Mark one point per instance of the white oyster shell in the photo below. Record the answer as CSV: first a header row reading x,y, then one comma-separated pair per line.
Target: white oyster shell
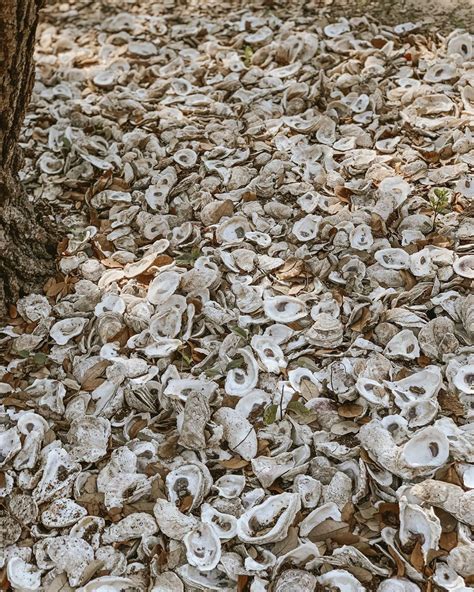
x,y
415,521
398,585
239,382
447,496
284,309
295,579
238,432
109,584
342,580
225,525
61,513
269,353
171,521
162,287
22,575
403,345
230,486
464,379
134,526
427,448
269,521
71,555
326,331
63,331
189,479
203,547
464,266
393,258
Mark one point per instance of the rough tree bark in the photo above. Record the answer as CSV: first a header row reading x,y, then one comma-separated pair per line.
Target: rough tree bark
x,y
27,239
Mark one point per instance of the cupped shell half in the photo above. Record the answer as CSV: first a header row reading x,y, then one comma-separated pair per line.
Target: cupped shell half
x,y
269,521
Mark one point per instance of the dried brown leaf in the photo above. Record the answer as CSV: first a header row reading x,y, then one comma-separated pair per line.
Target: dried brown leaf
x,y
416,558
350,410
363,319
450,403
448,540
399,563
91,376
292,268
234,463
242,580
185,503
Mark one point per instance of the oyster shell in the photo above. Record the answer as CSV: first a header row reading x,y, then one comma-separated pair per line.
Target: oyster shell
x,y
428,447
192,480
22,575
261,331
326,331
295,579
238,432
239,382
447,496
203,547
284,309
269,521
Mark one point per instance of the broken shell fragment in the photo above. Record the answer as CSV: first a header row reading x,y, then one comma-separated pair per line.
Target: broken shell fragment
x,y
61,513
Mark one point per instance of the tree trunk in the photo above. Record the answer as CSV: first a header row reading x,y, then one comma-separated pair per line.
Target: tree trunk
x,y
26,240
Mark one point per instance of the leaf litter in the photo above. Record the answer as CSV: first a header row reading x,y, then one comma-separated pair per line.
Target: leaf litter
x,y
254,369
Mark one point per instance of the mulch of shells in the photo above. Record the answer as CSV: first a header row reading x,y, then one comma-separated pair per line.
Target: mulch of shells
x,y
255,369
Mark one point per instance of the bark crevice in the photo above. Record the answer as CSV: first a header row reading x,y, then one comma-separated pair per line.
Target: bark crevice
x,y
27,237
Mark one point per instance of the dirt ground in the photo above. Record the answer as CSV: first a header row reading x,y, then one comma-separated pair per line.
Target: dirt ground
x,y
439,14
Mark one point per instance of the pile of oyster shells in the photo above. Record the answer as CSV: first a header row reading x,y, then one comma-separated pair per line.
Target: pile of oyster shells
x,y
255,368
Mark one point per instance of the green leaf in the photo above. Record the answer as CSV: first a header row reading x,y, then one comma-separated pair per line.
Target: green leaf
x,y
211,372
305,362
439,198
248,55
240,332
23,353
237,363
40,359
186,358
188,258
298,408
270,414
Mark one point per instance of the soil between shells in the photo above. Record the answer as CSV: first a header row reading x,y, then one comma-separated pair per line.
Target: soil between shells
x,y
254,370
